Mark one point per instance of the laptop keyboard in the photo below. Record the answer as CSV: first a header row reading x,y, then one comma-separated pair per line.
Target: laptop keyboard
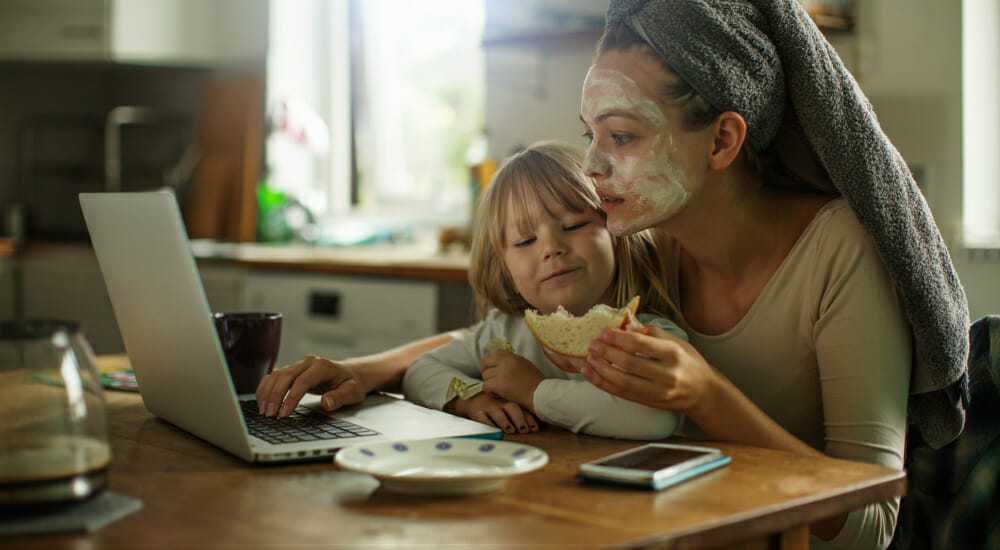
x,y
303,424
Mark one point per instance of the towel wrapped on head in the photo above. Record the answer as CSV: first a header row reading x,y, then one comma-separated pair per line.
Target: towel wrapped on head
x,y
766,60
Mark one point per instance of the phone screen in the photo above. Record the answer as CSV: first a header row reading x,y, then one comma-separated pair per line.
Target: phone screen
x,y
652,458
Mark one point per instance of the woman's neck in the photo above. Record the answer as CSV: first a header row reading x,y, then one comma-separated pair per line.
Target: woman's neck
x,y
733,238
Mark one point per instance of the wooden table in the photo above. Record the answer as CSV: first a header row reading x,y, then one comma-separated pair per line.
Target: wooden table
x,y
196,496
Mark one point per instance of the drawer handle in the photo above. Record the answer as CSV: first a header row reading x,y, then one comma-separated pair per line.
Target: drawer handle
x,y
325,304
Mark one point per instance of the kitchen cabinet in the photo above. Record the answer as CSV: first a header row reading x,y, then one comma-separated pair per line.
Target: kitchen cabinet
x,y
65,283
330,315
341,316
145,32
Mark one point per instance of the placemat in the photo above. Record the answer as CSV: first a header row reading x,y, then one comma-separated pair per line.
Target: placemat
x,y
89,515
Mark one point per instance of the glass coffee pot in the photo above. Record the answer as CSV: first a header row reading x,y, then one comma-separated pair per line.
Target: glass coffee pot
x,y
53,422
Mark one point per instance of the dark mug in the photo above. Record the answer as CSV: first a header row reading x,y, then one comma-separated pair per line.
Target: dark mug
x,y
250,343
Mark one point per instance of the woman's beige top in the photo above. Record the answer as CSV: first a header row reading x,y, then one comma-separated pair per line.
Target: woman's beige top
x,y
826,351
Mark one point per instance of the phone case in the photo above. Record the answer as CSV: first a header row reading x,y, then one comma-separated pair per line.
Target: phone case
x,y
663,483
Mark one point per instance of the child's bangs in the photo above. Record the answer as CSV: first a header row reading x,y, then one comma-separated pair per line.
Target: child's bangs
x,y
534,194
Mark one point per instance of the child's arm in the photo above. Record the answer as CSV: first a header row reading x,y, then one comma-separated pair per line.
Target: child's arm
x,y
572,402
580,406
427,381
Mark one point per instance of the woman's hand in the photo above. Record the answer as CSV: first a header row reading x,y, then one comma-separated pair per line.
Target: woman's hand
x,y
569,364
279,392
494,411
656,369
576,365
511,377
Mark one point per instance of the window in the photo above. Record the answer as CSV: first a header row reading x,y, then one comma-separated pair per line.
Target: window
x,y
395,87
980,123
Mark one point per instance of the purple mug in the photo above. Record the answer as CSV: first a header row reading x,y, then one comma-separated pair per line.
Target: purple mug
x,y
250,342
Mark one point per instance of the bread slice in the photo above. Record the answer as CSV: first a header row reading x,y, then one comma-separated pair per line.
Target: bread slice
x,y
566,334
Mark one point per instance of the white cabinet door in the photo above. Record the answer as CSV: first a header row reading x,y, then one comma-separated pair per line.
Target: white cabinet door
x,y
338,316
148,32
188,32
67,285
224,285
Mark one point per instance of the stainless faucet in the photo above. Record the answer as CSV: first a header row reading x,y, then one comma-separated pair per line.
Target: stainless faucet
x,y
173,177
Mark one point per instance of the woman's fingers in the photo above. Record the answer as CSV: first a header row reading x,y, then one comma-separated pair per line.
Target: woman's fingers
x,y
659,370
654,343
273,387
568,364
280,392
615,381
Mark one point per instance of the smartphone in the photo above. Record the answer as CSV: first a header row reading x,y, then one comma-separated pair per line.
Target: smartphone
x,y
654,465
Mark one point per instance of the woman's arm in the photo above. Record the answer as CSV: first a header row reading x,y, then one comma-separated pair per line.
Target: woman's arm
x,y
672,375
341,382
663,371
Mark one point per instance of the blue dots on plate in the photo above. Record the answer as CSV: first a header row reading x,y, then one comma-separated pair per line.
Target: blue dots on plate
x,y
519,452
366,452
486,447
400,447
443,446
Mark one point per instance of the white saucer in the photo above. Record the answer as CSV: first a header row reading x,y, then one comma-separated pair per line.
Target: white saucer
x,y
447,466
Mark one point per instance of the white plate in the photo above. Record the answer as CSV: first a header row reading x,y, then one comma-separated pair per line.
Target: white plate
x,y
445,466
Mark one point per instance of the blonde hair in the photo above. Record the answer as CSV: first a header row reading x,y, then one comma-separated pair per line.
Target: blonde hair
x,y
548,173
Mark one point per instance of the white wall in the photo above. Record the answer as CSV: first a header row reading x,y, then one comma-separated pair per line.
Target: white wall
x,y
908,59
906,54
533,86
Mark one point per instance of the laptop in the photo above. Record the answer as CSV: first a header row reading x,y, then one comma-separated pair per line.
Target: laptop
x,y
166,324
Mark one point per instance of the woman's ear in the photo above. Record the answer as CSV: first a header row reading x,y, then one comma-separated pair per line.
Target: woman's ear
x,y
729,132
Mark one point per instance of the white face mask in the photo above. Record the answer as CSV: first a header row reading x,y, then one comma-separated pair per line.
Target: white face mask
x,y
650,185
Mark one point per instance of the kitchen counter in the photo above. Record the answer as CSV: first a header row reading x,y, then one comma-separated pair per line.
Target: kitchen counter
x,y
403,260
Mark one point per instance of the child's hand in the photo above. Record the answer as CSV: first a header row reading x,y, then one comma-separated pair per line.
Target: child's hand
x,y
495,411
511,377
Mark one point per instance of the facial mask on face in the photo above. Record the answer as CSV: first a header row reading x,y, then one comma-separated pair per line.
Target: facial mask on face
x,y
653,188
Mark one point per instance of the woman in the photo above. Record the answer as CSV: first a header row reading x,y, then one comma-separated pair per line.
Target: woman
x,y
799,338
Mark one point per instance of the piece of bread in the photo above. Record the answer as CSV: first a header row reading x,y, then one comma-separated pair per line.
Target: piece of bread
x,y
566,334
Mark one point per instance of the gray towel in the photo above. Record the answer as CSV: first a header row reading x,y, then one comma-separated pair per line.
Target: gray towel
x,y
767,60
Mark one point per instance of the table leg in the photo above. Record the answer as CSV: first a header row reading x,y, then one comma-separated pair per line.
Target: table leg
x,y
796,538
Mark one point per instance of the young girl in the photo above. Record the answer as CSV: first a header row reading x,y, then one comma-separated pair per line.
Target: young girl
x,y
540,241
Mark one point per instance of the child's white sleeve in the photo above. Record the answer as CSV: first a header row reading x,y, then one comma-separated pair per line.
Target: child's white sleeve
x,y
427,379
580,406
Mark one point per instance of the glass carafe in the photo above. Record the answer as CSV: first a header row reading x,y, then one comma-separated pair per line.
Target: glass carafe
x,y
53,422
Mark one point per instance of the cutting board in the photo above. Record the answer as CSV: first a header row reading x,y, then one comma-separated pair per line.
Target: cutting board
x,y
222,201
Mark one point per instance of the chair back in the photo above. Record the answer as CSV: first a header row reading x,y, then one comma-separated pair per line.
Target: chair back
x,y
953,499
